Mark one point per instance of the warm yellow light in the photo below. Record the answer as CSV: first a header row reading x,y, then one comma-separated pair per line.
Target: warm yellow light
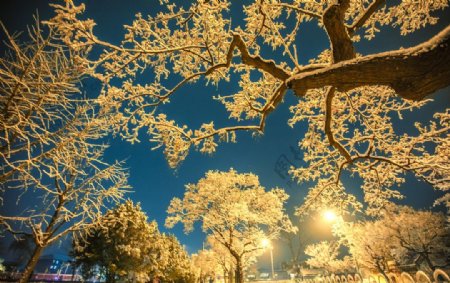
x,y
265,243
329,216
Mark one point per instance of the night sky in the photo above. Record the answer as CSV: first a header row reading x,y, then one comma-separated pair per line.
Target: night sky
x,y
155,184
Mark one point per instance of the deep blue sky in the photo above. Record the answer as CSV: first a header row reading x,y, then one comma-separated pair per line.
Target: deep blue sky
x,y
154,183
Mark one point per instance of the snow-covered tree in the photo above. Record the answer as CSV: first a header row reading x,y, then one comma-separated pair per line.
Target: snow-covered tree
x,y
401,234
49,143
370,243
122,245
174,263
418,233
205,265
348,100
325,255
235,210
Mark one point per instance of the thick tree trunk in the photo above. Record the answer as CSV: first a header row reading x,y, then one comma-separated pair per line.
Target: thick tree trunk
x,y
414,73
239,271
28,272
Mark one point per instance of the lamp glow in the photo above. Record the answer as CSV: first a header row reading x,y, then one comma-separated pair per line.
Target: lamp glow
x,y
329,216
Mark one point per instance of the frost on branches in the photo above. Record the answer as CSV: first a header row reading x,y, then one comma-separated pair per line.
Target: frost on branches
x,y
235,210
325,255
348,101
419,233
174,263
205,265
400,235
49,143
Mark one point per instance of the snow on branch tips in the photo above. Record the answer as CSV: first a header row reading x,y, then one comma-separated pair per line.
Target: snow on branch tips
x,y
346,100
50,146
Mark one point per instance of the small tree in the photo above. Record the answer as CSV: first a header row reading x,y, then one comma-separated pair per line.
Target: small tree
x,y
370,244
325,255
49,148
235,210
122,245
174,263
400,234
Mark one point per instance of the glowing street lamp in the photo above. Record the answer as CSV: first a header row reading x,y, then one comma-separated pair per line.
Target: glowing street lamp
x,y
266,244
330,216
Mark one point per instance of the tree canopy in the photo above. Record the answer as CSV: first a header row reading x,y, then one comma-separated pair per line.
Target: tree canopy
x,y
401,234
121,245
325,255
347,100
124,245
235,210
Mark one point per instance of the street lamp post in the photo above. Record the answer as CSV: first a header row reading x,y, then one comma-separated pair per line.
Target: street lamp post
x,y
266,243
271,261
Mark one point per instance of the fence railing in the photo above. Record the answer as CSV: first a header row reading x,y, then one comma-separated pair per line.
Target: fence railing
x,y
438,275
